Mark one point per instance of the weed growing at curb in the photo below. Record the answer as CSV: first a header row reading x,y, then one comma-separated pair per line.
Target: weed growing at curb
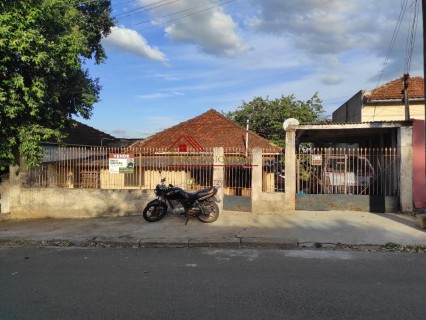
x,y
390,247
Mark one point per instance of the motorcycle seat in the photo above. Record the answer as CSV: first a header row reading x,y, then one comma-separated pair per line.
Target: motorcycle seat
x,y
201,194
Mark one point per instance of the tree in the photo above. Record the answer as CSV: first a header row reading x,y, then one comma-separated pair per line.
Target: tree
x,y
267,116
44,45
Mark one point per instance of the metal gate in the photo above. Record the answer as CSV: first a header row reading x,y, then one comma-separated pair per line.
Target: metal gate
x,y
237,180
347,174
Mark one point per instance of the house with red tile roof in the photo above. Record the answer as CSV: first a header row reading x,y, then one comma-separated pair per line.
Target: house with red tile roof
x,y
208,130
384,103
200,135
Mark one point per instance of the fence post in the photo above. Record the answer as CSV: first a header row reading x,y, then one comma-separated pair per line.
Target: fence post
x,y
218,173
4,195
256,181
290,167
12,190
406,168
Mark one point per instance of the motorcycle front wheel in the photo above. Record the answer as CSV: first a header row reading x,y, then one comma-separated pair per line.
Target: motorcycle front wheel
x,y
211,213
154,212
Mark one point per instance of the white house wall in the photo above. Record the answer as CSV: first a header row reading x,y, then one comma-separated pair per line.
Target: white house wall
x,y
391,112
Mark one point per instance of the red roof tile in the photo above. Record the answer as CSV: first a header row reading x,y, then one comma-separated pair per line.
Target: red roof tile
x,y
208,130
393,90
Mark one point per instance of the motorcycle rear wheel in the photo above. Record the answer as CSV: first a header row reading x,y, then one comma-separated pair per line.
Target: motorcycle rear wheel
x,y
154,212
212,213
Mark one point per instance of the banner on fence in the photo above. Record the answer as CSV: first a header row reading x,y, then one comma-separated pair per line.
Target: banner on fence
x,y
316,159
121,163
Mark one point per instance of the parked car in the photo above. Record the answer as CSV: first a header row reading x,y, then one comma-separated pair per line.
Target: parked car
x,y
348,174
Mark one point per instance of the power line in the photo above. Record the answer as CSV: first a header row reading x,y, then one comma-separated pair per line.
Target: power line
x,y
144,8
182,17
113,5
411,37
169,15
392,43
91,1
123,3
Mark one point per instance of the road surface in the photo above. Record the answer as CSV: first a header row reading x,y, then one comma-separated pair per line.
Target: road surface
x,y
210,283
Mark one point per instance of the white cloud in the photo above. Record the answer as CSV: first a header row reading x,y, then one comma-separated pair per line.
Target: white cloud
x,y
160,95
333,47
168,77
339,28
127,40
318,26
203,24
331,79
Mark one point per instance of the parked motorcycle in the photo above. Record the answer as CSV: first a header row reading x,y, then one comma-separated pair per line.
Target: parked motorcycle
x,y
200,204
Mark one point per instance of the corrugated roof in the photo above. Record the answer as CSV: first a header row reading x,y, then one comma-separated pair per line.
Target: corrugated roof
x,y
393,90
210,129
354,125
408,122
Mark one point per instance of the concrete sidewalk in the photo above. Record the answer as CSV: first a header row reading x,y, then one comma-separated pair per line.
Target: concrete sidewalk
x,y
290,230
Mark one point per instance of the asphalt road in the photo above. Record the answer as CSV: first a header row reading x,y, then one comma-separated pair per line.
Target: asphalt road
x,y
184,283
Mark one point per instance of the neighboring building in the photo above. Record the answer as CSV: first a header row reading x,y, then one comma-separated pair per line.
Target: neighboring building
x,y
83,135
208,130
384,103
83,144
79,134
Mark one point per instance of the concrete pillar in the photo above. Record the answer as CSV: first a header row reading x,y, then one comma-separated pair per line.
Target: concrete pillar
x,y
219,173
405,148
256,181
4,196
13,190
290,167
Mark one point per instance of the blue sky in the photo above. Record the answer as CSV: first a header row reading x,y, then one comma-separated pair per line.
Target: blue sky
x,y
171,60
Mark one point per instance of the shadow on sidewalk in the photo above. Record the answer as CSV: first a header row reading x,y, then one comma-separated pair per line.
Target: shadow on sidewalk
x,y
405,219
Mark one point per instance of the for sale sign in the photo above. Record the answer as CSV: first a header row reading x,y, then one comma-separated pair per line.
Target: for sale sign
x,y
316,159
121,163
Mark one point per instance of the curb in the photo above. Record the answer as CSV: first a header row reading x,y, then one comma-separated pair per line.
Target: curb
x,y
230,243
252,242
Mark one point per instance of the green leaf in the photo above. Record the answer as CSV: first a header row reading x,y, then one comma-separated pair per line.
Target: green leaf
x,y
43,45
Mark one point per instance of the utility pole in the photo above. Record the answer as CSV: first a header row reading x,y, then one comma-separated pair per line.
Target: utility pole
x,y
405,93
247,137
